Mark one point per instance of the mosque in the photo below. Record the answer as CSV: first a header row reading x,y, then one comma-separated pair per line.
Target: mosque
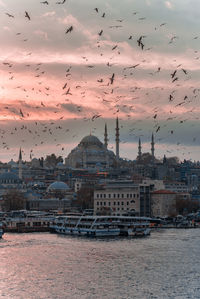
x,y
92,153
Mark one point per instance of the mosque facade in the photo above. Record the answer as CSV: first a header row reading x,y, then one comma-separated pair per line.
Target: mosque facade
x,y
92,153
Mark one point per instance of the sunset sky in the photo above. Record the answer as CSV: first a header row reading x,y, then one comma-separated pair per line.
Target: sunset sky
x,y
56,71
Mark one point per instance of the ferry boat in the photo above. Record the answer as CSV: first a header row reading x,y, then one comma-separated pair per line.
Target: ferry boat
x,y
101,226
1,229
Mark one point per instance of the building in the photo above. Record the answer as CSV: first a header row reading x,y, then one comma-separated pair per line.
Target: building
x,y
117,198
163,203
92,153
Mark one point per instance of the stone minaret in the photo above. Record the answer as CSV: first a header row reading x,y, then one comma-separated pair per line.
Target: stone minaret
x,y
106,137
117,139
152,148
20,163
139,150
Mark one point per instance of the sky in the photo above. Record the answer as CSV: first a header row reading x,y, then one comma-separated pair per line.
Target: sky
x,y
69,67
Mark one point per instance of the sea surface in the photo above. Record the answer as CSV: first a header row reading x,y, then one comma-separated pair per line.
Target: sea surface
x,y
43,265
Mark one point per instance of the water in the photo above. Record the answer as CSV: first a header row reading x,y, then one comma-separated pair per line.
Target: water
x,y
42,265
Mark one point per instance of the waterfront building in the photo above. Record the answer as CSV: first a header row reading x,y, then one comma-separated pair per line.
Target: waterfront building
x,y
117,198
163,203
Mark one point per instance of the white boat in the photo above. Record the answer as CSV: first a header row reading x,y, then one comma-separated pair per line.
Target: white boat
x,y
1,229
97,226
100,226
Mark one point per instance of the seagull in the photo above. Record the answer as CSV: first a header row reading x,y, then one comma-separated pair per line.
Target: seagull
x,y
96,9
27,15
61,2
112,78
69,29
45,2
100,33
9,15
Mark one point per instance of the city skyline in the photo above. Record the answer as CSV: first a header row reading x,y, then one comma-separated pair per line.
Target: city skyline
x,y
67,69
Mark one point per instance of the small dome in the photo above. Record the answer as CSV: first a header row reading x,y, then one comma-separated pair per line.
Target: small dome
x,y
90,140
12,163
58,186
9,176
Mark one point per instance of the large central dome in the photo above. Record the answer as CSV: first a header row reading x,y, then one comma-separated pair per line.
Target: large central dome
x,y
90,153
91,140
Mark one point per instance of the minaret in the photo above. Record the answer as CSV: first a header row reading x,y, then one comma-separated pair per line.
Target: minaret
x,y
20,163
106,137
117,139
152,148
139,150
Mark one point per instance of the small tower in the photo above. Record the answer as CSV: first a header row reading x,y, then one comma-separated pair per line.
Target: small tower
x,y
152,148
117,139
139,150
106,137
20,163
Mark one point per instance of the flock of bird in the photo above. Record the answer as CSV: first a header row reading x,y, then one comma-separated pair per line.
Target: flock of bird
x,y
114,92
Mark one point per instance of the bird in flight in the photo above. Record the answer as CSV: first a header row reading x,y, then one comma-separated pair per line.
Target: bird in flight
x,y
45,2
69,29
9,15
112,78
61,2
96,9
27,15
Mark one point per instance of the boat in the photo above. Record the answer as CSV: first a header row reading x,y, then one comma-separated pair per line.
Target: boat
x,y
97,226
1,229
100,226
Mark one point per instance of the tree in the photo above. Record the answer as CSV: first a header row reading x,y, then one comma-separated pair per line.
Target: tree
x,y
85,198
13,200
186,206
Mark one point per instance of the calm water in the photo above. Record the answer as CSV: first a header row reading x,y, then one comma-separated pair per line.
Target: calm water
x,y
42,265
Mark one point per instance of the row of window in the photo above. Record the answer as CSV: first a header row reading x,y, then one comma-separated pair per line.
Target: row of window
x,y
108,203
118,209
118,195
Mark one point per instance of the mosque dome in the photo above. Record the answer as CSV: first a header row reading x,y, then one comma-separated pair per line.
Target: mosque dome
x,y
58,186
91,140
9,178
90,153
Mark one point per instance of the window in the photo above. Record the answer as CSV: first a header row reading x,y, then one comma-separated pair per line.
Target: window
x,y
97,195
127,195
131,195
114,195
109,195
104,195
122,203
114,203
122,195
118,195
100,195
127,203
101,203
118,203
97,203
109,203
104,203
